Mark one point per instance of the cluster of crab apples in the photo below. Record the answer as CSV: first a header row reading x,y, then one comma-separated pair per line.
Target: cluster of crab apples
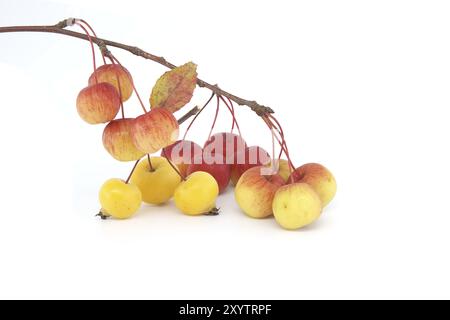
x,y
193,175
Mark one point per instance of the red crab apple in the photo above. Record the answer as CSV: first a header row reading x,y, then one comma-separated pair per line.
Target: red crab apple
x,y
225,144
220,171
255,191
319,178
251,157
117,140
98,103
154,130
182,153
114,74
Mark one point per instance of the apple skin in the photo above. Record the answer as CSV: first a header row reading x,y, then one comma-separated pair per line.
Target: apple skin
x,y
296,205
98,103
114,74
119,199
283,169
117,140
254,192
225,146
156,186
251,157
220,171
182,154
319,178
197,194
154,130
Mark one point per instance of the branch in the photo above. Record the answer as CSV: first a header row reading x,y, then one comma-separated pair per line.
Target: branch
x,y
102,43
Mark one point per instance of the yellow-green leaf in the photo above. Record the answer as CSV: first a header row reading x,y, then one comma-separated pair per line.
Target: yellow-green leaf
x,y
175,88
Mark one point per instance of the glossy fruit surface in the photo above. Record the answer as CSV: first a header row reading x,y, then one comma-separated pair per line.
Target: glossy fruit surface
x,y
154,130
296,205
119,199
319,178
115,75
156,186
118,142
98,103
197,195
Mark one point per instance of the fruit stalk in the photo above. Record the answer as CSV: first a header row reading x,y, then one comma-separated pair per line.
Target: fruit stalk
x,y
59,28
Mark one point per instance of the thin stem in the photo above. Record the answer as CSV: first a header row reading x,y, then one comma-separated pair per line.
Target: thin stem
x,y
198,113
183,178
215,118
113,58
280,142
281,132
118,84
92,48
131,173
150,163
232,114
234,118
102,43
94,34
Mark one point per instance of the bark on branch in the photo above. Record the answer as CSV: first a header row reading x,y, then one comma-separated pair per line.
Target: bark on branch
x,y
59,28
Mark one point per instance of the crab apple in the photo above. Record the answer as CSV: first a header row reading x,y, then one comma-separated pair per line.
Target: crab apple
x,y
283,169
154,130
98,103
157,185
119,199
117,140
251,157
226,145
115,75
296,205
319,178
254,192
220,171
197,194
182,154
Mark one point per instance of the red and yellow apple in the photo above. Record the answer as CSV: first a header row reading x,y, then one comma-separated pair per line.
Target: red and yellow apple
x,y
182,153
154,130
115,75
251,157
319,178
225,146
117,140
296,205
254,192
98,103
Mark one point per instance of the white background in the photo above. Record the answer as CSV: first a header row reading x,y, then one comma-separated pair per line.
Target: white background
x,y
360,86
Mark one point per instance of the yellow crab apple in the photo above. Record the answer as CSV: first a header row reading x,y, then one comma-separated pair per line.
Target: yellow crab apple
x,y
115,75
197,194
319,178
296,205
154,130
158,182
119,199
254,192
117,140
